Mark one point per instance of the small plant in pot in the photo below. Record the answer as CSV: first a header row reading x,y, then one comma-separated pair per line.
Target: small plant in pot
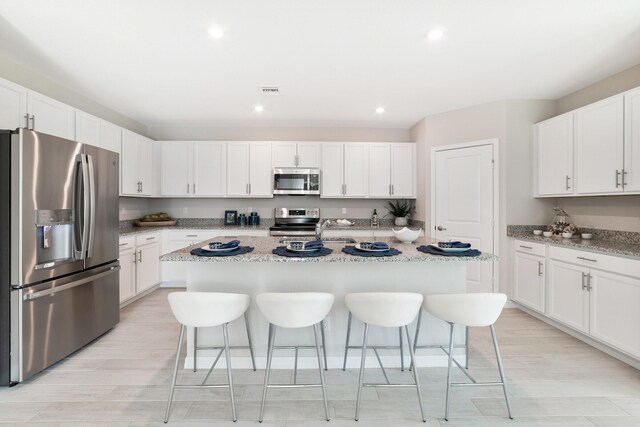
x,y
401,209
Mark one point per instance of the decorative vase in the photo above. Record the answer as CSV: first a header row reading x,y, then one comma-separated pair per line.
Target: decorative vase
x,y
401,221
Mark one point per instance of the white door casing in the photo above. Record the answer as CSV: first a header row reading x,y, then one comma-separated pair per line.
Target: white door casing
x,y
464,197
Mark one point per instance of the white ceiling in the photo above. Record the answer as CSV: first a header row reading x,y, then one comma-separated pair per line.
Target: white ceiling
x,y
335,61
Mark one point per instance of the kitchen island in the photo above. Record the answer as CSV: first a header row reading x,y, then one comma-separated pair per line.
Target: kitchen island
x,y
337,273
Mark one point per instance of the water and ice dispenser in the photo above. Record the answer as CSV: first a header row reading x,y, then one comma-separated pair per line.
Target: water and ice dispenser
x,y
54,236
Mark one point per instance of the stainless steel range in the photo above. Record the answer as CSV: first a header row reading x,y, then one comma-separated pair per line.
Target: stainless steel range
x,y
295,222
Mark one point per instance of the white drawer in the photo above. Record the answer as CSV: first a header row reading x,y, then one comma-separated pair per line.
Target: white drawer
x,y
193,235
527,247
620,265
146,238
127,242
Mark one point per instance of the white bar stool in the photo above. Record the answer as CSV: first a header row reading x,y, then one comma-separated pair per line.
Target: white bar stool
x,y
294,310
390,310
482,309
206,309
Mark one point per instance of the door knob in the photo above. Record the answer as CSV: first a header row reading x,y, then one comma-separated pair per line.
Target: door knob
x,y
440,228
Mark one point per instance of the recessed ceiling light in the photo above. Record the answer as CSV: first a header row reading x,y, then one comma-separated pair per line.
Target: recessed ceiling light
x,y
380,110
216,32
258,108
435,34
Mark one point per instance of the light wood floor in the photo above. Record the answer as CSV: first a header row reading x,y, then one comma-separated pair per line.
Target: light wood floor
x,y
122,379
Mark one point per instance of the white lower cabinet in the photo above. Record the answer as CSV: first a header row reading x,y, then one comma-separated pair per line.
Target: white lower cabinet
x,y
529,283
593,293
139,264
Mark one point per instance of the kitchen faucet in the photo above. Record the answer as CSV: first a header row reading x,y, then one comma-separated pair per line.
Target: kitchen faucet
x,y
320,228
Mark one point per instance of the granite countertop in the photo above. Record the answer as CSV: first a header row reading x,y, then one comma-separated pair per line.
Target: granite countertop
x,y
622,244
264,245
128,229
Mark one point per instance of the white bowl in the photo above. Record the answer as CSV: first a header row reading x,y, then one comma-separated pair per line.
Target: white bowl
x,y
567,235
407,235
587,236
547,233
537,232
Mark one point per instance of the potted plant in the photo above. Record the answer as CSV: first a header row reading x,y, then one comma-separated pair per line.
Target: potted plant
x,y
401,209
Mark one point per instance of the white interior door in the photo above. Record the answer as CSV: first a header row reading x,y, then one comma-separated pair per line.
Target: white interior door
x,y
463,191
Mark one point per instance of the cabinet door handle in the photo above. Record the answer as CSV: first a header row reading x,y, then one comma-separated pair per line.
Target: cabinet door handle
x,y
389,189
584,284
587,259
539,268
249,188
589,277
139,256
33,122
26,116
393,189
618,178
194,188
624,176
187,188
566,182
526,247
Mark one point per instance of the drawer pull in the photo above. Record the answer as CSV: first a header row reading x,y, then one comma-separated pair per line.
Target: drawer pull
x,y
526,247
123,244
192,235
151,238
587,259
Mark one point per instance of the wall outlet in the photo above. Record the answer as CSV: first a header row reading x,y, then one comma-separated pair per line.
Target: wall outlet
x,y
344,211
327,324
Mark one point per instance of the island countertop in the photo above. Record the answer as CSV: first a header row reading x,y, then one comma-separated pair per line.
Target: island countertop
x,y
263,247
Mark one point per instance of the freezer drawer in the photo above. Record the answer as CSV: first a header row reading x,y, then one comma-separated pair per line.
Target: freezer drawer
x,y
56,318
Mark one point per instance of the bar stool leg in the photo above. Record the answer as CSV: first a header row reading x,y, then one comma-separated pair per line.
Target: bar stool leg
x,y
324,345
227,355
324,390
401,349
415,373
415,338
195,347
499,360
175,374
295,366
246,324
346,346
362,362
272,337
466,347
446,404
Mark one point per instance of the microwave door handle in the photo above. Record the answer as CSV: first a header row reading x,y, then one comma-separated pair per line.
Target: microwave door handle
x,y
92,205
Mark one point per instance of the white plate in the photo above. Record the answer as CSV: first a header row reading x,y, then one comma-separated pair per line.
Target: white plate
x,y
208,249
450,249
302,250
371,250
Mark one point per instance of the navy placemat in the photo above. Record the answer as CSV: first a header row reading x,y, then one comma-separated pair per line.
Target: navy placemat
x,y
283,251
351,250
434,251
241,250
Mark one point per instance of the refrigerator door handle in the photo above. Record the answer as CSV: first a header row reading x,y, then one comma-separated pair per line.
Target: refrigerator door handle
x,y
82,206
92,204
35,295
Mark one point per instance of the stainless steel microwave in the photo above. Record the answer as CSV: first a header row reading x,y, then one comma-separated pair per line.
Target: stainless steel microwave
x,y
296,181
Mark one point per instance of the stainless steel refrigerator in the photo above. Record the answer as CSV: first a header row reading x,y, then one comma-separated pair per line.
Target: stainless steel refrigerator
x,y
59,276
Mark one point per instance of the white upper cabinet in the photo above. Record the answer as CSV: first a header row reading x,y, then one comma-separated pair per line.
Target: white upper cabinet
x,y
191,169
50,116
110,136
13,105
599,145
345,170
296,154
554,156
631,178
135,161
249,172
87,128
392,170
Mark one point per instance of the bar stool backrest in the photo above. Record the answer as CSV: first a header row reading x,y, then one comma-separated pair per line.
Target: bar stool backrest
x,y
481,309
205,309
295,309
388,309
